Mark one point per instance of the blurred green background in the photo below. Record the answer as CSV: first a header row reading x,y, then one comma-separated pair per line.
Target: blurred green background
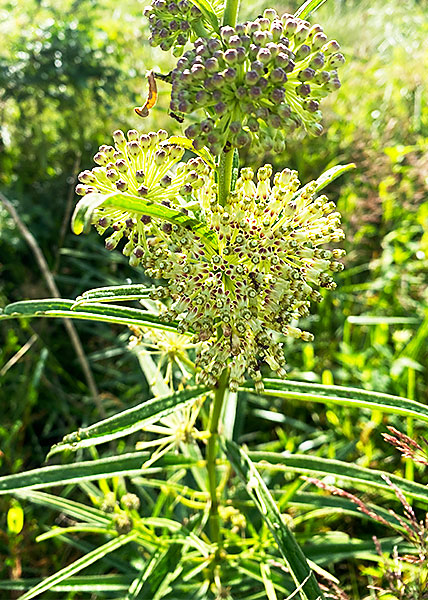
x,y
71,73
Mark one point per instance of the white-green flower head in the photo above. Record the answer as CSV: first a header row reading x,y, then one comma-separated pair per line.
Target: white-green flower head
x,y
145,166
172,23
257,82
243,294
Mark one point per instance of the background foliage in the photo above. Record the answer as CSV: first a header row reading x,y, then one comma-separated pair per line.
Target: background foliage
x,y
70,73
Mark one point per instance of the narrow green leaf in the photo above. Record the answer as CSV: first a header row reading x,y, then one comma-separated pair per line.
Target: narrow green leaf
x,y
117,293
256,488
126,464
235,170
83,583
344,396
343,471
308,7
82,528
128,421
94,312
79,564
369,320
155,573
326,178
208,12
81,220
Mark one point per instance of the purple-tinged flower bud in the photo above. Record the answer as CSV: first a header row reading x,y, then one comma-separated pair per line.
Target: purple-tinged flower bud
x,y
165,181
101,159
121,165
132,135
86,177
191,131
282,60
253,125
302,52
336,60
103,222
278,75
214,45
184,26
290,25
235,126
160,157
264,23
211,65
253,27
234,41
227,32
207,125
231,56
202,97
112,175
230,74
220,108
311,105
119,137
270,13
318,61
304,89
263,56
262,113
198,72
184,106
81,190
242,54
301,34
255,92
306,75
260,37
251,77
243,139
331,47
195,12
318,41
121,185
143,190
241,92
322,77
138,252
284,110
146,219
332,85
133,148
218,80
277,95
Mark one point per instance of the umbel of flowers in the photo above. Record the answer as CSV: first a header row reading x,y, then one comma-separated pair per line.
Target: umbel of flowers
x,y
257,82
243,284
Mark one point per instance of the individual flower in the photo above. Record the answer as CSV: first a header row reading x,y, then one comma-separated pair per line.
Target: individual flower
x,y
172,23
243,277
146,166
257,82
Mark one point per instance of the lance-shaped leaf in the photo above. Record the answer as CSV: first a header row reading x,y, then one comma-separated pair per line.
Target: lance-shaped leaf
x,y
300,571
343,471
128,421
117,293
82,216
90,312
208,12
80,564
124,465
344,396
307,7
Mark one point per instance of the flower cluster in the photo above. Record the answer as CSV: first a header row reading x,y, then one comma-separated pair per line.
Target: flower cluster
x,y
242,282
171,23
257,82
141,165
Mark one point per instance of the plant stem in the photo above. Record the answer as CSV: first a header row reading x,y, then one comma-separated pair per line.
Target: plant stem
x,y
230,12
224,176
214,519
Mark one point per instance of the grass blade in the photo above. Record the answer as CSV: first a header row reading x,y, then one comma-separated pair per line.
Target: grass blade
x,y
289,548
359,476
93,312
126,464
344,396
79,564
128,421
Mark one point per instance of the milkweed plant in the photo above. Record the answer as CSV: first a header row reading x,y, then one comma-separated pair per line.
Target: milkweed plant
x,y
236,257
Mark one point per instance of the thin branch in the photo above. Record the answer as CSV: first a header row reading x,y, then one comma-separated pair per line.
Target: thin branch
x,y
53,290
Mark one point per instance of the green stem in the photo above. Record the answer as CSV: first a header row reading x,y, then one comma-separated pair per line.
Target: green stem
x,y
224,176
231,12
214,519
